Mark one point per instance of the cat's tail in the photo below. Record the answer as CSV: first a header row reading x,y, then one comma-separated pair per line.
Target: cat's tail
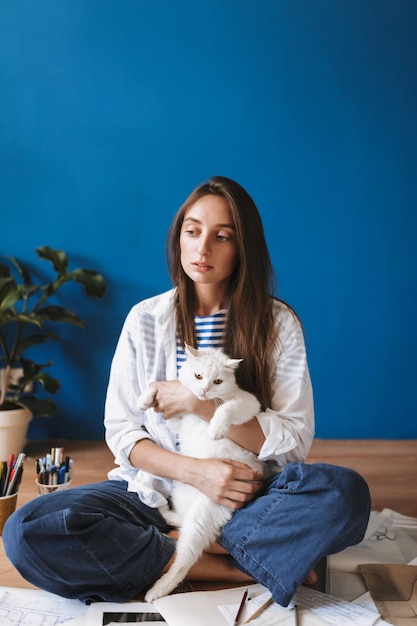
x,y
199,529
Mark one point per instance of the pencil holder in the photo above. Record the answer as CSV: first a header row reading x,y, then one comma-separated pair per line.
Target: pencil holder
x,y
44,489
7,507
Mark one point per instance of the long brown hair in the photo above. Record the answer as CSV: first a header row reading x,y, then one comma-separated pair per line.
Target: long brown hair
x,y
250,332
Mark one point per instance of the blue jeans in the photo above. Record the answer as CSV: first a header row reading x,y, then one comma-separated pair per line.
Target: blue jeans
x,y
100,542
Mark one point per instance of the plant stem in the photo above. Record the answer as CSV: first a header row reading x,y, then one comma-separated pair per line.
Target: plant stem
x,y
5,385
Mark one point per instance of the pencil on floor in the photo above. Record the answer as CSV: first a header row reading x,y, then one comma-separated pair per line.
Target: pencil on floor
x,y
240,609
260,610
296,622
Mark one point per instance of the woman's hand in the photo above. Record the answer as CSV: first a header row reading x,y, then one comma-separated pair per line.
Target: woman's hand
x,y
172,398
227,482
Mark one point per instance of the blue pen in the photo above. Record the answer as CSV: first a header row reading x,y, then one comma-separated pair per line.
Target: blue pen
x,y
61,474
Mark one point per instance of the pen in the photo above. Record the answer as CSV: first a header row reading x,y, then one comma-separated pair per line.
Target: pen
x,y
240,609
296,622
50,472
260,610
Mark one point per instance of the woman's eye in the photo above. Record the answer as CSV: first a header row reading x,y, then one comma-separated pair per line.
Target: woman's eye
x,y
225,236
218,381
198,376
190,233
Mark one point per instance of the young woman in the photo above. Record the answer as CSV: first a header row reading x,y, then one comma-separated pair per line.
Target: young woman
x,y
107,541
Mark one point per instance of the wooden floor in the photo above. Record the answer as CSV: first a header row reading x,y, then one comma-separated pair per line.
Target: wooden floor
x,y
390,467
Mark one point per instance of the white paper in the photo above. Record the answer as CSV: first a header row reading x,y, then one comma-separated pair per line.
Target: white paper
x,y
229,611
199,608
305,619
333,610
19,607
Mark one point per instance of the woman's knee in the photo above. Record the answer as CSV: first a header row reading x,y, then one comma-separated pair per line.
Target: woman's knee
x,y
348,502
353,489
333,495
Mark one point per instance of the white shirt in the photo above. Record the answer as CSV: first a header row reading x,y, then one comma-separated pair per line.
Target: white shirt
x,y
146,352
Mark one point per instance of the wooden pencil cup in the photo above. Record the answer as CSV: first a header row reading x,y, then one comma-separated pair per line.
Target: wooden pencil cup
x,y
7,507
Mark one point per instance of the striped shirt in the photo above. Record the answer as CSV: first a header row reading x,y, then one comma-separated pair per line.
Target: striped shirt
x,y
209,332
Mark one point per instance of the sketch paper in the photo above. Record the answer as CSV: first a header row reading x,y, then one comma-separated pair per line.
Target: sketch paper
x,y
19,607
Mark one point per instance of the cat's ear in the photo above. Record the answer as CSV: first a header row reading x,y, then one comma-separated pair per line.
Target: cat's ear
x,y
190,351
233,363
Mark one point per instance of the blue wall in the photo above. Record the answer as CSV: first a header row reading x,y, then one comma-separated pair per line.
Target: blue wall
x,y
111,111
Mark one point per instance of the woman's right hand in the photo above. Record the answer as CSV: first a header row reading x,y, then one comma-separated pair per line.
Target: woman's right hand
x,y
227,482
230,483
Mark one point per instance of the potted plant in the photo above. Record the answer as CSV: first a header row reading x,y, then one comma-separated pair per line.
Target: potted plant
x,y
25,311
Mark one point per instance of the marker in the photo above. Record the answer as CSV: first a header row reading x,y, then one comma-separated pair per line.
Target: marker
x,y
16,476
61,474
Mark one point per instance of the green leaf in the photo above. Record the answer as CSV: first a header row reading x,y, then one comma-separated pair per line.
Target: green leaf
x,y
93,282
24,318
31,369
32,372
10,293
23,272
51,385
58,258
54,313
33,340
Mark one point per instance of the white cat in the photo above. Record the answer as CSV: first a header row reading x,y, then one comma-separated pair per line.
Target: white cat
x,y
209,374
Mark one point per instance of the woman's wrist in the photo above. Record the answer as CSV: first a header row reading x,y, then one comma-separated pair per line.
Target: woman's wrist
x,y
204,409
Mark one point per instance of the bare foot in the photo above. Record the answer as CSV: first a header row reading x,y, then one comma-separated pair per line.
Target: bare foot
x,y
311,579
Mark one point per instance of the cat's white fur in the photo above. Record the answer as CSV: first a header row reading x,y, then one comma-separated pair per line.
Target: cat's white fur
x,y
209,374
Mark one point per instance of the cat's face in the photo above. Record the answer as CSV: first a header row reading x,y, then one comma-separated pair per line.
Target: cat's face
x,y
208,373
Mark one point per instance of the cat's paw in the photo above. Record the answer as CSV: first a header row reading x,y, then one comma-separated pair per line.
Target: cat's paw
x,y
161,588
147,398
152,595
172,518
217,431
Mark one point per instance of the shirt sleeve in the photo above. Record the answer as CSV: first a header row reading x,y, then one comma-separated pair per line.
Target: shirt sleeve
x,y
288,425
138,360
123,420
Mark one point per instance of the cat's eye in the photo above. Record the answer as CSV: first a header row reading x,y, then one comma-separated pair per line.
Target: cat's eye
x,y
218,381
198,376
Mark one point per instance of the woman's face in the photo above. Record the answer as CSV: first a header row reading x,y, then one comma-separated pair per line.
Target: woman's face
x,y
208,242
